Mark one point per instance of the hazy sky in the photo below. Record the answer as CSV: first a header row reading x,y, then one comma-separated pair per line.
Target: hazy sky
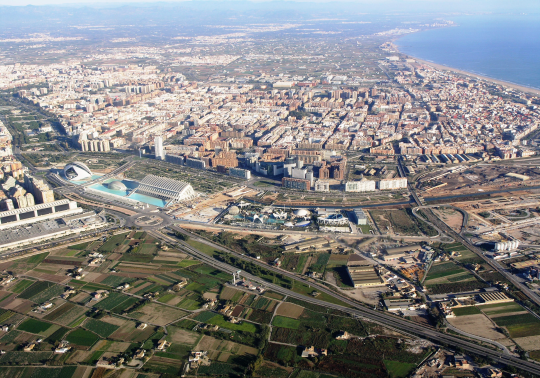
x,y
453,4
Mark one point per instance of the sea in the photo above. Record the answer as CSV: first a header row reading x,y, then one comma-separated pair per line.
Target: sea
x,y
503,47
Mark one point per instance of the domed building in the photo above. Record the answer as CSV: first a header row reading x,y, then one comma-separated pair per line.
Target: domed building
x,y
77,171
301,213
117,185
234,210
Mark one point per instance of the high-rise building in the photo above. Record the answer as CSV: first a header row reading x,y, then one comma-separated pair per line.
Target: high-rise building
x,y
158,146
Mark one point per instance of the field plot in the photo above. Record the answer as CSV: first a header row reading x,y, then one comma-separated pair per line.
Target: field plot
x,y
220,321
528,343
19,305
24,358
500,308
34,326
182,336
154,313
35,289
263,303
113,300
228,293
21,285
101,328
289,310
444,269
82,337
80,247
219,346
66,314
204,316
115,281
281,321
463,311
522,325
113,242
5,315
448,277
398,369
478,325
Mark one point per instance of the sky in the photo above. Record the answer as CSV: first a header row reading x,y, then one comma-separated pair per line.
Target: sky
x,y
451,5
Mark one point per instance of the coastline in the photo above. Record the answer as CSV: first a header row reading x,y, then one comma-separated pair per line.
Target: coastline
x,y
442,67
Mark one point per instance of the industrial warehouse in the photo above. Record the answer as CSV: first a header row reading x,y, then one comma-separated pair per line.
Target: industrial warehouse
x,y
362,273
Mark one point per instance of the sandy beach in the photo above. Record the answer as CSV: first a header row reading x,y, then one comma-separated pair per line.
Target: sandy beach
x,y
518,87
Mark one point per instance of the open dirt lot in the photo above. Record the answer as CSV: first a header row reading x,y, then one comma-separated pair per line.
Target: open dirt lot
x,y
478,325
528,343
154,313
215,346
289,310
181,336
451,217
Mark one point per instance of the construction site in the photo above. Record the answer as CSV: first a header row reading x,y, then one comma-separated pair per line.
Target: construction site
x,y
472,179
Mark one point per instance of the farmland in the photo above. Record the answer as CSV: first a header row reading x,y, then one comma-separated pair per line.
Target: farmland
x,y
82,337
110,326
34,326
469,310
281,321
519,325
220,321
100,328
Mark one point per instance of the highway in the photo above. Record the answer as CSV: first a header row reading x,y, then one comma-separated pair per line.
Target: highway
x,y
355,309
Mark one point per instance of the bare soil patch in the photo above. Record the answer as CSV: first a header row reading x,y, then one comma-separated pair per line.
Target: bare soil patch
x,y
528,343
211,296
182,336
154,313
289,310
478,325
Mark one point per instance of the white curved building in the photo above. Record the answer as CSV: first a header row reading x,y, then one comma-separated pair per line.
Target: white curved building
x,y
165,188
77,171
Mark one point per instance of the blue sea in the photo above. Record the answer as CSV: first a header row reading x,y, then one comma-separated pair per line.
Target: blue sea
x,y
504,47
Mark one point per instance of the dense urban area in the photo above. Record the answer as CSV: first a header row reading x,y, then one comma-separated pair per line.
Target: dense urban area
x,y
293,199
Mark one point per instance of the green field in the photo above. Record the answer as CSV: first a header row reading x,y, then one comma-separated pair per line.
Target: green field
x,y
399,369
114,299
113,242
521,325
166,297
469,310
187,263
34,326
501,308
443,270
204,316
35,288
82,337
47,294
21,285
281,321
80,247
5,315
103,329
37,259
220,321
